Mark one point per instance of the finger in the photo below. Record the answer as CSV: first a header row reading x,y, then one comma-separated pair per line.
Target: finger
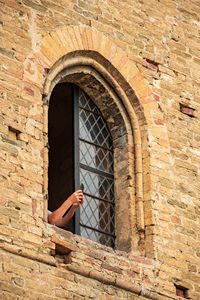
x,y
80,195
78,200
77,195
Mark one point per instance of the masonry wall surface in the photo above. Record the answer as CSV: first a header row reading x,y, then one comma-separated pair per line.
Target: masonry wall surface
x,y
155,47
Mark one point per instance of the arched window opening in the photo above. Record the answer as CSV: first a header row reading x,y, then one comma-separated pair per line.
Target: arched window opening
x,y
81,156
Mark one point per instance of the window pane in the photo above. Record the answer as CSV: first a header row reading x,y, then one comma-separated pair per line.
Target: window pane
x,y
96,157
93,128
97,214
98,237
97,185
96,174
87,103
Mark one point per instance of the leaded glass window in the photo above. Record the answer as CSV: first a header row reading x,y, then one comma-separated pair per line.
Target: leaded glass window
x,y
95,220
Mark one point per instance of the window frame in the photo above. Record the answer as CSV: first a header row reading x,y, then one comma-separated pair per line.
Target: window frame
x,y
75,93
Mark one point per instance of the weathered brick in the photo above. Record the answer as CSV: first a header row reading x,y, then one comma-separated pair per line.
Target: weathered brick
x,y
152,67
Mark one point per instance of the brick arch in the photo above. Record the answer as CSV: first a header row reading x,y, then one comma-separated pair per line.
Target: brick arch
x,y
65,40
52,56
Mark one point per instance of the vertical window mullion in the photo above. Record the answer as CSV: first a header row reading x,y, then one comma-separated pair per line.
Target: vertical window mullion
x,y
76,153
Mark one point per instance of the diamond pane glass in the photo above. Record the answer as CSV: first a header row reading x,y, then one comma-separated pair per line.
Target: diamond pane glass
x,y
97,185
96,174
93,128
97,214
87,103
96,157
98,237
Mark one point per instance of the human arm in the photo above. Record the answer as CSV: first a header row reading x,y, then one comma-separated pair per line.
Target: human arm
x,y
75,200
62,222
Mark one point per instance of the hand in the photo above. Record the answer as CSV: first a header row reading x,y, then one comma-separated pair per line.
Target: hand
x,y
77,198
75,205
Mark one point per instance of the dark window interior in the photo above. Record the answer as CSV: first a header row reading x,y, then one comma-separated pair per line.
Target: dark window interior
x,y
60,128
181,291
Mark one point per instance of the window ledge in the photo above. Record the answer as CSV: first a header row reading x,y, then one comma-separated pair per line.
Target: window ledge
x,y
63,247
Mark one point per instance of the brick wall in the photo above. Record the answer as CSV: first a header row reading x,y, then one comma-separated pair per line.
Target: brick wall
x,y
154,45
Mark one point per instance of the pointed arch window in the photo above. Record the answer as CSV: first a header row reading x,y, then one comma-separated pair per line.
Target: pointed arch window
x,y
89,146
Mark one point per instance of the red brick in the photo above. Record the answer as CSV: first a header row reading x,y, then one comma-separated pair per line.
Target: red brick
x,y
34,206
159,122
156,97
17,6
28,69
176,219
29,91
111,268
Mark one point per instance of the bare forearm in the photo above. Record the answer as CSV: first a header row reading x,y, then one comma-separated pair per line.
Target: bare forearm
x,y
65,220
58,213
75,200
